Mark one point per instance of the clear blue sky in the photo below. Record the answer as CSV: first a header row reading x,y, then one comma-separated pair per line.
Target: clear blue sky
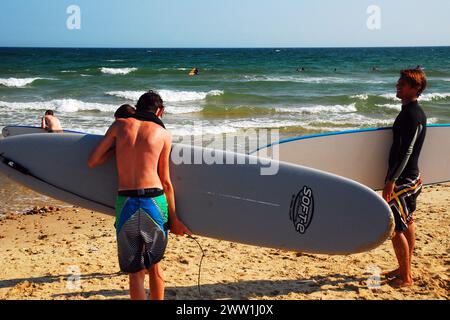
x,y
224,23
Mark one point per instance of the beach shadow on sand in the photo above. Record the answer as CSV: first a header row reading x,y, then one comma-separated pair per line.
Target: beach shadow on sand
x,y
55,278
243,290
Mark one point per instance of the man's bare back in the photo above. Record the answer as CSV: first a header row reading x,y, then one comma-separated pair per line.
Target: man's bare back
x,y
142,148
138,149
51,123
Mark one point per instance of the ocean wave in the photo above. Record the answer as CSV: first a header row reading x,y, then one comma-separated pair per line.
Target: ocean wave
x,y
392,106
264,123
360,96
117,71
237,110
351,120
434,96
389,96
331,80
19,82
320,109
225,127
424,97
178,130
60,105
182,110
167,95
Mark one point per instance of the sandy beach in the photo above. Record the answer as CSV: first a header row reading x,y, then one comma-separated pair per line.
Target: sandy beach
x,y
43,249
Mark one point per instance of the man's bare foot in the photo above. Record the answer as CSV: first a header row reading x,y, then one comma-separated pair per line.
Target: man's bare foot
x,y
391,274
400,283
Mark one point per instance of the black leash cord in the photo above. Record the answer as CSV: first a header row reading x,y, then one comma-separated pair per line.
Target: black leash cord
x,y
200,265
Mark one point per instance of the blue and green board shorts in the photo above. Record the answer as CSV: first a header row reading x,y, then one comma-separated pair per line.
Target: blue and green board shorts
x,y
141,229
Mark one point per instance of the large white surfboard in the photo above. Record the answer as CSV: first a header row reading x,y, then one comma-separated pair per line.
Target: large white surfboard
x,y
362,155
11,131
298,209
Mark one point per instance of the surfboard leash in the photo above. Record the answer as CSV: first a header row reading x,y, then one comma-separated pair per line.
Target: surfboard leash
x,y
200,264
16,166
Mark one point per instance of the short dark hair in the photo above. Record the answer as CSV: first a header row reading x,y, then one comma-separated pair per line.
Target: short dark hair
x,y
124,111
49,112
149,102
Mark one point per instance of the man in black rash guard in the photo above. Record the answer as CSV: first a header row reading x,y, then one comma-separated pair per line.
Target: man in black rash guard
x,y
403,180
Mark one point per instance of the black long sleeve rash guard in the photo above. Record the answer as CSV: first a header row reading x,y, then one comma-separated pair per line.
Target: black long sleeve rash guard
x,y
409,130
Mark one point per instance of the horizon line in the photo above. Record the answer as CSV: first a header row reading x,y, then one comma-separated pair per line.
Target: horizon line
x,y
280,47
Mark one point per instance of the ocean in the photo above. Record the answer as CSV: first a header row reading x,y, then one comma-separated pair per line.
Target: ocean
x,y
236,90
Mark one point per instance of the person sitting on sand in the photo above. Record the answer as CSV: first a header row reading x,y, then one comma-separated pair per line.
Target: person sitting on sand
x,y
125,111
51,123
403,180
145,206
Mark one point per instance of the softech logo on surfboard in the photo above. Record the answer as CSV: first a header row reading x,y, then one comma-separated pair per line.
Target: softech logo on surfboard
x,y
302,209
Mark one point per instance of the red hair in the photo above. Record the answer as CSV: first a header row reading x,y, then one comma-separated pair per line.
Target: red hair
x,y
416,78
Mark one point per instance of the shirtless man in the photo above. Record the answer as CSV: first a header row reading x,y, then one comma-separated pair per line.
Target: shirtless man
x,y
51,123
145,206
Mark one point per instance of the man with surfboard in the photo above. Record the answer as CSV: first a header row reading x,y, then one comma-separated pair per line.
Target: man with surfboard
x,y
403,180
145,203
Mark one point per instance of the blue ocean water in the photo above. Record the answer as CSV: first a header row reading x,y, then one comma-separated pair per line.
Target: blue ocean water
x,y
236,89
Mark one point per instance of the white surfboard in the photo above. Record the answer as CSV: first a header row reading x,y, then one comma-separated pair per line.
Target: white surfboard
x,y
298,209
362,155
11,131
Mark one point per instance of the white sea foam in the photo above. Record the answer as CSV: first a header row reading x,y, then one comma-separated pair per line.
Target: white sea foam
x,y
321,109
19,82
60,105
434,96
360,96
352,120
263,123
167,95
198,130
390,106
215,128
424,97
182,110
311,79
117,71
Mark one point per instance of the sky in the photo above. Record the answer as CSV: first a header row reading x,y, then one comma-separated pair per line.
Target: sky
x,y
224,23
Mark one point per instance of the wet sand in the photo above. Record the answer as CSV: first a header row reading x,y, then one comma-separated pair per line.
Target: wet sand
x,y
42,249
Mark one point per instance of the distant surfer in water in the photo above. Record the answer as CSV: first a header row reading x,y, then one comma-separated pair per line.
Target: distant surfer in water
x,y
194,72
145,206
51,123
403,180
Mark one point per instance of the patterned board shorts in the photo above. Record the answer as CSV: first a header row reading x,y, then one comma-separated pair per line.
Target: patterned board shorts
x,y
141,228
403,202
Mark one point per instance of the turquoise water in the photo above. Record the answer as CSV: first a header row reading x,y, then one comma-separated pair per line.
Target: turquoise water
x,y
237,89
